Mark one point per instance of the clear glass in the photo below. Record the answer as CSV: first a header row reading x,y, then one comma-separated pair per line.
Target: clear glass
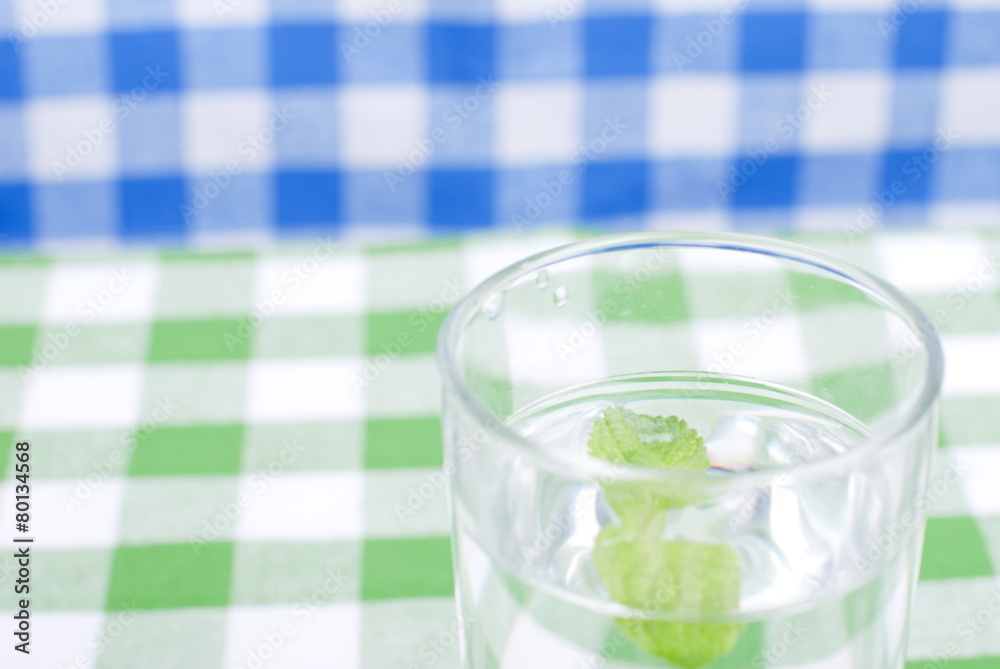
x,y
814,386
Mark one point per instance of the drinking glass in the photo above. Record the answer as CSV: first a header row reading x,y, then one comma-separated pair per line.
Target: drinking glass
x,y
813,386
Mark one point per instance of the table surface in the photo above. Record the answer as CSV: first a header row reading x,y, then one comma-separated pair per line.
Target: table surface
x,y
210,477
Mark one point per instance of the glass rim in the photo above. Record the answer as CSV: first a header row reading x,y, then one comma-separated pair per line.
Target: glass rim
x,y
585,466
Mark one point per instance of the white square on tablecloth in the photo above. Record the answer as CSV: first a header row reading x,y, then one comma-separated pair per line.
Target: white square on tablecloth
x,y
293,390
82,396
71,138
854,115
309,284
293,636
538,122
381,125
230,126
693,115
100,293
70,513
277,504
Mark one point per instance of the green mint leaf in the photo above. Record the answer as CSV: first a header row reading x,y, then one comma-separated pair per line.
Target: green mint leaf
x,y
624,437
646,572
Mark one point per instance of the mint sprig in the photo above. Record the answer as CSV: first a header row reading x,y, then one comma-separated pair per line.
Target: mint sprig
x,y
642,570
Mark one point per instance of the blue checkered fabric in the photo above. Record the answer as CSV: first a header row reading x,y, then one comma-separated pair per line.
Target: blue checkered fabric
x,y
183,121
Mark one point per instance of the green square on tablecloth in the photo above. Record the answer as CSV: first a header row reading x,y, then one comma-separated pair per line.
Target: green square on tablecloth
x,y
970,420
864,392
215,339
291,572
175,639
954,548
312,446
299,336
809,291
7,438
11,392
205,392
402,332
396,568
192,449
962,314
641,298
62,580
403,442
204,285
25,278
408,386
424,277
419,629
95,344
194,510
166,576
17,344
78,453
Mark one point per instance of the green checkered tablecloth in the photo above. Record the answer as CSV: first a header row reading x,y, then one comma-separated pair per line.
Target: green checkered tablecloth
x,y
235,459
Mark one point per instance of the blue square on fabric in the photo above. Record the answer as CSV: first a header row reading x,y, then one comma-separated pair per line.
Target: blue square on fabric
x,y
76,209
460,53
395,52
773,41
460,198
311,138
244,204
303,10
369,197
915,107
464,10
614,188
762,220
687,183
536,195
695,42
838,179
151,136
65,65
141,12
973,38
10,71
615,118
15,213
536,51
908,175
151,208
307,198
846,40
303,54
967,173
765,101
465,120
146,59
225,57
13,147
616,46
920,41
771,184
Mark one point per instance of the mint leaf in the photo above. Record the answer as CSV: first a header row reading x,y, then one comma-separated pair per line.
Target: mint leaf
x,y
646,572
624,437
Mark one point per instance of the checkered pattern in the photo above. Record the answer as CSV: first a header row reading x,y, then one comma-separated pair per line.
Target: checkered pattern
x,y
221,446
192,121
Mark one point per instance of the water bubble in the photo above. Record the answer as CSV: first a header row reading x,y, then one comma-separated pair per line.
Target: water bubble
x,y
542,279
492,304
560,296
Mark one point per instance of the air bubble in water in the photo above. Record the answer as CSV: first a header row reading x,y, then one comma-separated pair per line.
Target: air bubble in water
x,y
542,279
560,296
492,304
